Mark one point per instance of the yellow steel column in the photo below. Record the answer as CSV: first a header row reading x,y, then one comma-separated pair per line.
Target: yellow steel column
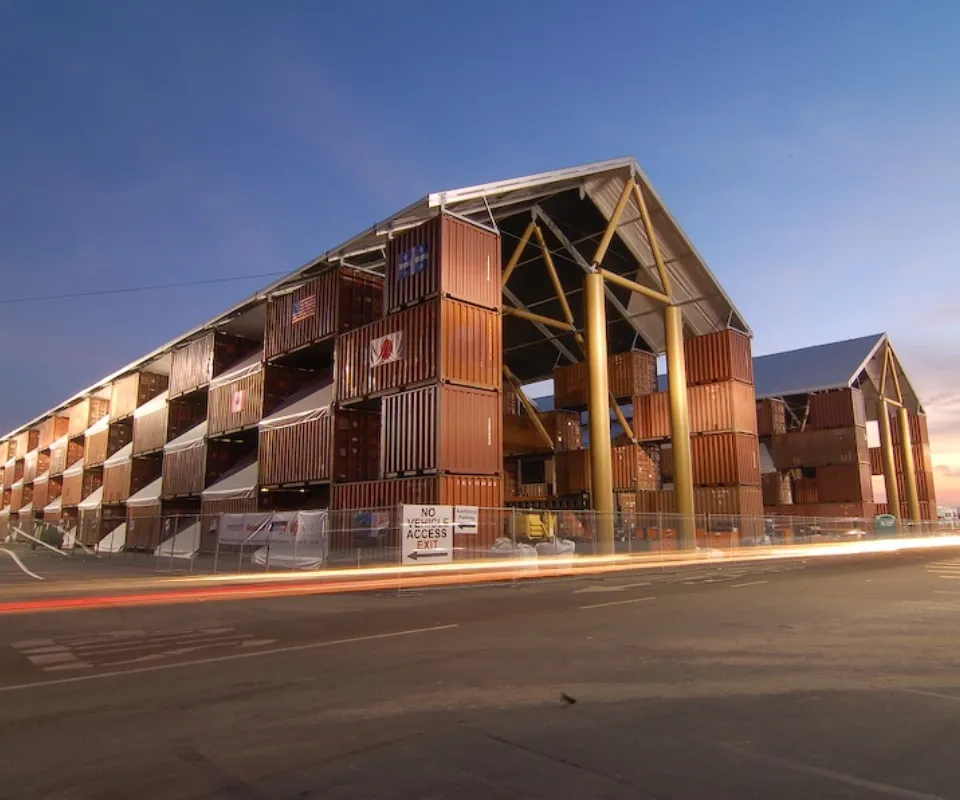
x,y
909,473
601,459
889,461
680,428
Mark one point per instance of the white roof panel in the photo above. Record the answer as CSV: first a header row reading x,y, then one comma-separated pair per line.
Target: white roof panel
x,y
240,482
122,456
301,406
95,500
188,439
148,495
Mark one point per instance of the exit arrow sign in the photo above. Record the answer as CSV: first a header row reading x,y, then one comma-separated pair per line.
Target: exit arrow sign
x,y
427,554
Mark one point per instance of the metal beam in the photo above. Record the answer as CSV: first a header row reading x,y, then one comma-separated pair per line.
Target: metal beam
x,y
601,457
582,262
909,468
518,251
680,429
889,460
532,411
564,350
613,222
510,311
652,239
638,288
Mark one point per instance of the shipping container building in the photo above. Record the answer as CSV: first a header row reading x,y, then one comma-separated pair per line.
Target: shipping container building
x,y
520,435
629,375
52,429
236,492
194,364
192,462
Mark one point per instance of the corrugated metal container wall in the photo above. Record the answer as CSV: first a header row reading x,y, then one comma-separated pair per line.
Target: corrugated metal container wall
x,y
80,485
849,483
777,490
132,391
17,473
805,490
876,461
86,412
150,430
925,487
628,375
444,256
821,448
27,442
441,340
771,417
633,468
184,471
16,498
52,429
65,455
342,299
99,446
840,408
442,428
116,482
511,401
919,433
721,356
40,494
54,489
719,459
825,510
144,527
184,415
745,500
728,407
30,467
237,404
194,365
520,436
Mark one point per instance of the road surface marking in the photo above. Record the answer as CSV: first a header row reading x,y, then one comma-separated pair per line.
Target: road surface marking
x,y
619,602
953,697
850,780
620,587
748,583
220,659
19,563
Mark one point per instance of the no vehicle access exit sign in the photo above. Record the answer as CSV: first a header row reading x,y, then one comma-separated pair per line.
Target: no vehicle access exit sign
x,y
426,532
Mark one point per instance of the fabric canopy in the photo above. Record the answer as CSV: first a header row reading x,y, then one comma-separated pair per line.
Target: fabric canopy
x,y
75,468
150,406
122,456
148,495
187,441
17,483
54,505
302,407
99,426
5,511
61,442
247,366
42,478
239,483
114,541
95,500
27,509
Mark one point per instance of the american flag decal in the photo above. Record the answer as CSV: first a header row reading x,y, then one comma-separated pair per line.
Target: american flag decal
x,y
304,308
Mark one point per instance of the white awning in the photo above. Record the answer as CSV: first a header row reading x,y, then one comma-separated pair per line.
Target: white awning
x,y
75,468
114,541
31,457
247,366
10,463
17,484
150,406
61,442
240,483
99,426
5,511
42,478
54,505
27,509
148,495
95,500
192,438
304,406
122,456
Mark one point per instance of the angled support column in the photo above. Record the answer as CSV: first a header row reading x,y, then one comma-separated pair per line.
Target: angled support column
x,y
909,468
532,411
680,429
889,460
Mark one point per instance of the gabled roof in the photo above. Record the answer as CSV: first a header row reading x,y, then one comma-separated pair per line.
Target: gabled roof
x,y
814,369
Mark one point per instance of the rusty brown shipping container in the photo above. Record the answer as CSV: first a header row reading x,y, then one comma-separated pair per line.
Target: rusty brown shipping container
x,y
328,445
847,483
65,453
634,467
771,417
876,461
337,301
728,407
805,491
922,459
715,357
447,257
79,484
486,492
14,472
41,493
241,397
52,429
719,459
132,391
195,364
441,428
928,510
777,489
825,510
85,413
520,436
30,467
122,479
925,486
16,497
184,471
103,443
443,340
628,375
821,448
512,407
919,432
839,408
150,425
720,500
26,442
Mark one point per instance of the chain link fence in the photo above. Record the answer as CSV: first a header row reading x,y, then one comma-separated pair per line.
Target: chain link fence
x,y
289,541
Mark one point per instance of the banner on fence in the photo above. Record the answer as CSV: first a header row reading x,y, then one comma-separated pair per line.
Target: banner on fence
x,y
302,527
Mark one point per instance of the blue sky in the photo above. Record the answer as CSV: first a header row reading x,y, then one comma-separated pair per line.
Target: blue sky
x,y
810,150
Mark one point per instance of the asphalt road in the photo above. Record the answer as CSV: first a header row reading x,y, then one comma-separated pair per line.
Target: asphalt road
x,y
785,679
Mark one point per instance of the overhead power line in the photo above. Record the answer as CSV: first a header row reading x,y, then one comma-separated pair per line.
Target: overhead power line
x,y
101,292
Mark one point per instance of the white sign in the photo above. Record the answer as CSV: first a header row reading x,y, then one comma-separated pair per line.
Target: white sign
x,y
385,349
465,519
426,535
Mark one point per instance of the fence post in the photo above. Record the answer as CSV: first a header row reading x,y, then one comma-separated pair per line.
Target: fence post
x,y
216,549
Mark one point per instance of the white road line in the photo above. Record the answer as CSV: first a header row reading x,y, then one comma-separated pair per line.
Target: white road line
x,y
942,696
220,659
944,591
619,602
748,583
20,564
